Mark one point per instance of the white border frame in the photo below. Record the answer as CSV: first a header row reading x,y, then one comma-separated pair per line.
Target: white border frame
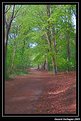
x,y
55,116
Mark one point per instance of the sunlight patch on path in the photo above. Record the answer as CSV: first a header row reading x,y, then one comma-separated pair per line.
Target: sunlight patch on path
x,y
57,92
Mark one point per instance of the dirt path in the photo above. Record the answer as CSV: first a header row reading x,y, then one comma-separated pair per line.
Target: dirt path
x,y
41,92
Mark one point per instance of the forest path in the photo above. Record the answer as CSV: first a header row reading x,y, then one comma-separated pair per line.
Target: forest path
x,y
41,92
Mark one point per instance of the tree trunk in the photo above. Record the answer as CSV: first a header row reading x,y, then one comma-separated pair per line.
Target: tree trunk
x,y
55,50
54,65
48,28
46,65
48,10
68,50
49,40
12,64
43,65
6,38
38,67
75,53
13,57
7,27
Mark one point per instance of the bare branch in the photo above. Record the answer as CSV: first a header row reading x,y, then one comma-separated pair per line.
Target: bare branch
x,y
7,9
12,16
17,12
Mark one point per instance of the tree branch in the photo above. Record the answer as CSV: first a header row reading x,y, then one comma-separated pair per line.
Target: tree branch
x,y
12,16
7,9
17,12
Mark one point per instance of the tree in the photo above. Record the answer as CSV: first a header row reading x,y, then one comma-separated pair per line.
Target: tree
x,y
51,34
9,16
41,36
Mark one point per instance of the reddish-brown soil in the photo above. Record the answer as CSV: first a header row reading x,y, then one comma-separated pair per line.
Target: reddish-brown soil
x,y
41,92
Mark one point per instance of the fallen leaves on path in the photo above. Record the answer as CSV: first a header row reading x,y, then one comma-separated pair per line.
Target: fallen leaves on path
x,y
41,92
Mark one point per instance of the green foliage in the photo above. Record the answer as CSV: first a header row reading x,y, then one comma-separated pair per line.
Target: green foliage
x,y
30,27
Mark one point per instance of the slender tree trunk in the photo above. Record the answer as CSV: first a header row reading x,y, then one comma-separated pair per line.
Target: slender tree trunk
x,y
49,36
43,65
6,38
48,10
68,49
54,65
12,63
7,27
38,67
13,57
46,66
55,50
75,54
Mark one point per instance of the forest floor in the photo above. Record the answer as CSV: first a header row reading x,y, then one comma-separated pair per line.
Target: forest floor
x,y
41,92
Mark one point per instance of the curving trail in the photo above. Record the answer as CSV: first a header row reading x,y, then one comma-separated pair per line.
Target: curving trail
x,y
41,92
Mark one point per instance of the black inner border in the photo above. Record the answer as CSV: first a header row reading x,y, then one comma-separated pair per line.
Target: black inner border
x,y
77,78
